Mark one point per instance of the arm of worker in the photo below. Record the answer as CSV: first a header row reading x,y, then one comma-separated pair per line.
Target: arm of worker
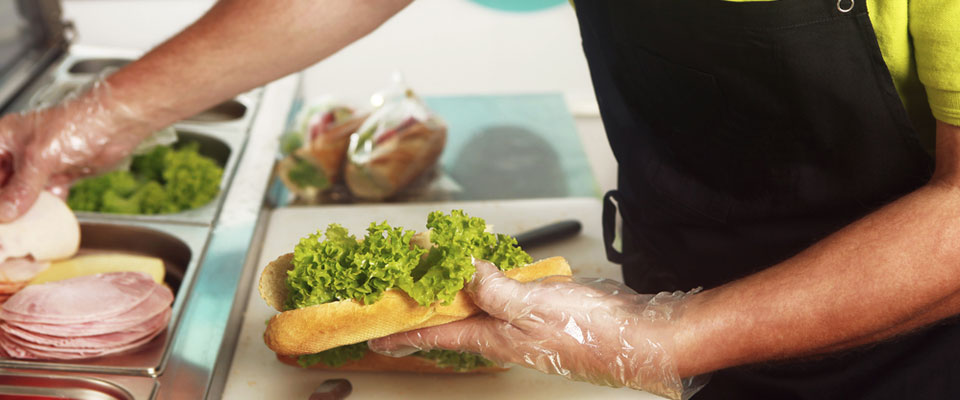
x,y
235,46
894,271
891,272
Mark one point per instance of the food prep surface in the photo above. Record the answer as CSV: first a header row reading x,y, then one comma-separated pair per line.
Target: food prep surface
x,y
255,372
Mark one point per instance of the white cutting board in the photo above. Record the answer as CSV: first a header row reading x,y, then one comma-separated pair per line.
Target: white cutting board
x,y
256,374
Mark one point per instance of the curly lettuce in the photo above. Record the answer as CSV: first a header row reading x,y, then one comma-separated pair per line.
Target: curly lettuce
x,y
334,265
90,194
457,239
337,266
304,174
165,180
191,180
337,357
460,362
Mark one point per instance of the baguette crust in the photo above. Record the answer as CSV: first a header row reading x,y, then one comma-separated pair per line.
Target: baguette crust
x,y
317,328
380,363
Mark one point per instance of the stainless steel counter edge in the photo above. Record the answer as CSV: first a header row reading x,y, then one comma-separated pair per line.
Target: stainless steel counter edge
x,y
203,333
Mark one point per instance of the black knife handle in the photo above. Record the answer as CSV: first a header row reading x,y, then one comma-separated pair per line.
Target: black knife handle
x,y
548,233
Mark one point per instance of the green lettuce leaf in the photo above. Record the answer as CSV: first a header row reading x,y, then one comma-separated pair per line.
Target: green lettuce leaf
x,y
304,174
337,357
191,180
336,266
340,267
164,180
334,357
460,362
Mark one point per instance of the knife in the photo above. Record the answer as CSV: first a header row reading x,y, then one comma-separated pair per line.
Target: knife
x,y
548,233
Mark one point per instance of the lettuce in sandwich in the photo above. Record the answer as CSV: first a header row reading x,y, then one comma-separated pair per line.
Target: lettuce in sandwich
x,y
335,265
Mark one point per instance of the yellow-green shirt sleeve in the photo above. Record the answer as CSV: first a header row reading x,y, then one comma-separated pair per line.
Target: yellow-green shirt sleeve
x,y
935,28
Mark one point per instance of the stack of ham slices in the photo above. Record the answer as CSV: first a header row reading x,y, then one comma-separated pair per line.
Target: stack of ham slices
x,y
84,317
48,231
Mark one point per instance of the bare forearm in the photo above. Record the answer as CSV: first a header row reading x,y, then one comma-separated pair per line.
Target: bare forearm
x,y
238,45
893,271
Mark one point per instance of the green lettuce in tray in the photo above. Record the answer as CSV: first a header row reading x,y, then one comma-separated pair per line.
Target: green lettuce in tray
x,y
164,180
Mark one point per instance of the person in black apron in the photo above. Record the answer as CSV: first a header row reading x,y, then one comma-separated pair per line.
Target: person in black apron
x,y
744,134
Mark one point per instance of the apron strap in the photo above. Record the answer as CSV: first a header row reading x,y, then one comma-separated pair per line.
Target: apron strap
x,y
611,201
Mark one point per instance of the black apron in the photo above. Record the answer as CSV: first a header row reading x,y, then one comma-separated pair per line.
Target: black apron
x,y
744,133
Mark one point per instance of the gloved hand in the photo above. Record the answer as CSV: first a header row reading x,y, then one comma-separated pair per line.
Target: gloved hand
x,y
50,148
598,331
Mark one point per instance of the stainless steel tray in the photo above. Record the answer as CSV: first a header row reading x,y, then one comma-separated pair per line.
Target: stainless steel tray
x,y
83,63
180,246
224,147
42,385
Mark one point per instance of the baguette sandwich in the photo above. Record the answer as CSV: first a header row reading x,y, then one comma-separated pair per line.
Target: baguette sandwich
x,y
335,292
317,164
382,162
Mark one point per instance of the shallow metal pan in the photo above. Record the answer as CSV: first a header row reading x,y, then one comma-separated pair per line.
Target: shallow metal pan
x,y
44,385
224,148
180,246
87,62
232,115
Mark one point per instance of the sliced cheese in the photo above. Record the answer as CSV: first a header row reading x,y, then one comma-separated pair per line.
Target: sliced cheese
x,y
100,263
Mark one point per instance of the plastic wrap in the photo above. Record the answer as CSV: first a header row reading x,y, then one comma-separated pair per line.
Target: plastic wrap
x,y
51,147
597,331
315,149
400,141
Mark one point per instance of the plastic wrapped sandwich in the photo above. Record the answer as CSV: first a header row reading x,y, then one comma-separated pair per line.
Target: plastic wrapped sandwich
x,y
315,150
398,142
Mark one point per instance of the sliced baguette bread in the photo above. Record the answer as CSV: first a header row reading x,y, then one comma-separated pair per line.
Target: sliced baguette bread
x,y
321,327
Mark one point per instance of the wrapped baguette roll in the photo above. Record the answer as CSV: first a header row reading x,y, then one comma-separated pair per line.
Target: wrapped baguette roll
x,y
329,148
318,164
395,162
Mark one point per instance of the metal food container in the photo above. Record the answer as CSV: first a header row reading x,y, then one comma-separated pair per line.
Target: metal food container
x,y
39,385
179,246
224,148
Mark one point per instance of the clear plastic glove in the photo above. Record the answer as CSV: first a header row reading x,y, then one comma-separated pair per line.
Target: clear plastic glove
x,y
598,331
52,147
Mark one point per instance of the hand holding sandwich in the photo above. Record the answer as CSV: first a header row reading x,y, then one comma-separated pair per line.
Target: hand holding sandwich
x,y
597,331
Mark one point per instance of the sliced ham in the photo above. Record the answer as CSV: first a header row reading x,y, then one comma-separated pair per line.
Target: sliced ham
x,y
78,300
101,341
158,302
84,317
21,270
8,289
16,350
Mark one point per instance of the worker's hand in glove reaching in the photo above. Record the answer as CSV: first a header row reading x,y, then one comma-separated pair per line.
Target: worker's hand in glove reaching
x,y
598,331
52,147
